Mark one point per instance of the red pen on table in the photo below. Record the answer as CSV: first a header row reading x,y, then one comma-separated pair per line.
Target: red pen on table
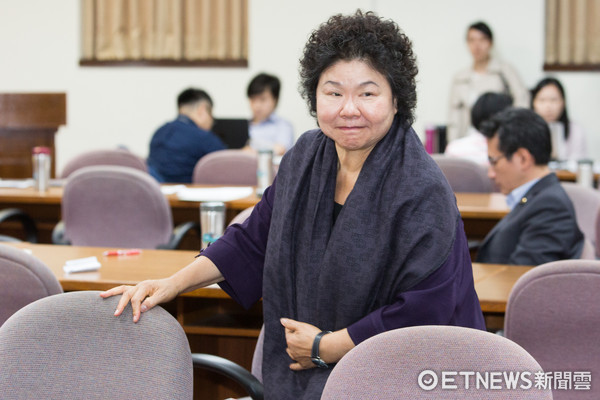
x,y
122,252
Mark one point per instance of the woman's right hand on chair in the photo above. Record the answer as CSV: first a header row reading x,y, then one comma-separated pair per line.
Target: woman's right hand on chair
x,y
142,296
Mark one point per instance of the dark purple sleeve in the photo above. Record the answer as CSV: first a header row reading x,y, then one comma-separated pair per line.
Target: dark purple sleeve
x,y
240,253
446,297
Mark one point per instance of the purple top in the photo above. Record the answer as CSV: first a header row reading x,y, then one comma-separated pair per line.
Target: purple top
x,y
240,253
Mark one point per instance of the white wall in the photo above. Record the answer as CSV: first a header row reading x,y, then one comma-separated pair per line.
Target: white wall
x,y
107,106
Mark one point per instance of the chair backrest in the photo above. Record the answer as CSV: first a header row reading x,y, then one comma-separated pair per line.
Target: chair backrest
x,y
553,312
464,175
597,245
115,206
586,202
257,358
23,279
403,363
226,167
589,251
120,157
70,346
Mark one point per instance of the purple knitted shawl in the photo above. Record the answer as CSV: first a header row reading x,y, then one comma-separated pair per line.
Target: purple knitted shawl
x,y
396,228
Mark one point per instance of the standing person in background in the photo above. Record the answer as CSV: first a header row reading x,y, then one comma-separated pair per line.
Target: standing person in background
x,y
474,146
267,130
486,74
568,140
177,146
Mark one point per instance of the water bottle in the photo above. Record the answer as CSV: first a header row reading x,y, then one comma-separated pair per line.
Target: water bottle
x,y
585,173
41,160
212,221
264,172
430,139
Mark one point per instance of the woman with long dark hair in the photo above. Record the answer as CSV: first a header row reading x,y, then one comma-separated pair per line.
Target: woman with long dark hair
x,y
549,101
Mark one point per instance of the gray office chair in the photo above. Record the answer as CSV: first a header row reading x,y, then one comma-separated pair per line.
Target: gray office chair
x,y
464,175
242,216
23,279
388,365
117,206
30,232
586,202
251,382
553,312
70,346
226,167
121,157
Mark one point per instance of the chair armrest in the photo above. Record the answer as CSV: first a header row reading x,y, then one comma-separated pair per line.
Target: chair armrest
x,y
231,370
179,232
28,223
5,238
58,234
474,244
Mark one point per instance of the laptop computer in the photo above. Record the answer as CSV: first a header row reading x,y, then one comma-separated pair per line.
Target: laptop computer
x,y
232,131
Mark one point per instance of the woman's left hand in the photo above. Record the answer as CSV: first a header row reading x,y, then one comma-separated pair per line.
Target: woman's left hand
x,y
299,337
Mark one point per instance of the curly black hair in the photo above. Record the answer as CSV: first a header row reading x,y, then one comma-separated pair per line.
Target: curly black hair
x,y
365,37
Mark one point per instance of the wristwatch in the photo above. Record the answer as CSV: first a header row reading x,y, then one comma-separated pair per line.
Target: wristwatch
x,y
314,356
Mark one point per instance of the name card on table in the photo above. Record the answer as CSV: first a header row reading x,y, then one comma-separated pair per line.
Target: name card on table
x,y
226,193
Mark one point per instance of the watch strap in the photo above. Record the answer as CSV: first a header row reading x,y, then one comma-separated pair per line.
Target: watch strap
x,y
314,356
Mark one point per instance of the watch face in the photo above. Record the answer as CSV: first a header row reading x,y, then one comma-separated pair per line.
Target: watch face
x,y
319,362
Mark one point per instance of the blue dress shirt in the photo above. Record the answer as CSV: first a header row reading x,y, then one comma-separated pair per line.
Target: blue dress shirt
x,y
176,147
274,130
514,197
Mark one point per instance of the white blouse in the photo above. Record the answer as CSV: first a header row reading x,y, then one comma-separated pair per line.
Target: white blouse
x,y
573,148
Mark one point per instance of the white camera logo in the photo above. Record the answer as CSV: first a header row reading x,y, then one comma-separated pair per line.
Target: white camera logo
x,y
428,380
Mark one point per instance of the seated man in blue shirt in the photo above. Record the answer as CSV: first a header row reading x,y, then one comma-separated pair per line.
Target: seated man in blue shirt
x,y
267,130
541,226
177,146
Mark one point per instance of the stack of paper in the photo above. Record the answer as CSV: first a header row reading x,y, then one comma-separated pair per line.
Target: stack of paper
x,y
171,189
227,193
81,265
16,183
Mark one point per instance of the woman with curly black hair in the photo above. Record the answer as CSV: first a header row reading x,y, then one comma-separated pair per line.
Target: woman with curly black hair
x,y
358,234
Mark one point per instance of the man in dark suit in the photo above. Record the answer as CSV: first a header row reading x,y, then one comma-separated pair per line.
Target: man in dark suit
x,y
541,226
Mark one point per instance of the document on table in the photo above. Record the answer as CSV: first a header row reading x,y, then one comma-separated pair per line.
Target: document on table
x,y
171,189
85,264
226,193
16,183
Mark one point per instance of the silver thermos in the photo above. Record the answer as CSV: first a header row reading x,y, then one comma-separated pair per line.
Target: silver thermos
x,y
41,160
212,221
264,172
585,173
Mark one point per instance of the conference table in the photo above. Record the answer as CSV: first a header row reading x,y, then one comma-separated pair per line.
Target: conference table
x,y
213,322
493,282
570,176
45,209
479,211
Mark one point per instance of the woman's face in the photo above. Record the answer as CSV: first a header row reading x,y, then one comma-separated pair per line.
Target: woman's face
x,y
479,45
355,106
549,103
